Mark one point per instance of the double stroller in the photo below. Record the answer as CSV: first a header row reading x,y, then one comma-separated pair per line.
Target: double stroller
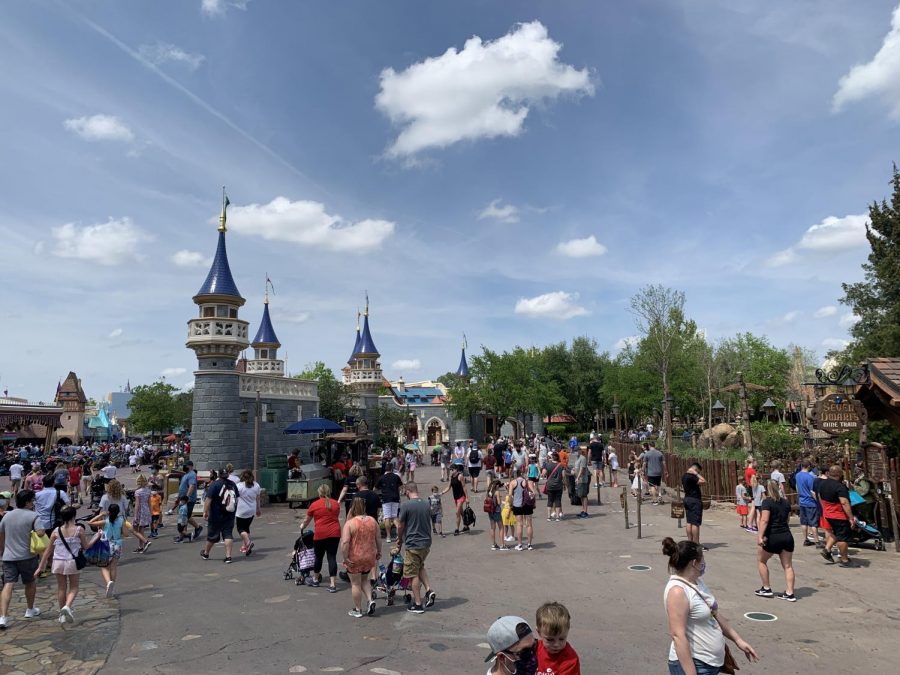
x,y
390,580
303,559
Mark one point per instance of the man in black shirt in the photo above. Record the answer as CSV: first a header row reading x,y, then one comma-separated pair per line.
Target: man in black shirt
x,y
597,459
390,484
693,501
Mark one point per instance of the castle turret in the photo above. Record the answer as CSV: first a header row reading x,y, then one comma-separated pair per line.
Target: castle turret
x,y
363,372
265,345
463,369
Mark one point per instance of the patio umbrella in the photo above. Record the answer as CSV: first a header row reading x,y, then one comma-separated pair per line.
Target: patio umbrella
x,y
171,438
314,425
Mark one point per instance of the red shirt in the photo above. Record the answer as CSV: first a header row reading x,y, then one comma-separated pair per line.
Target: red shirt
x,y
327,522
74,475
749,472
564,663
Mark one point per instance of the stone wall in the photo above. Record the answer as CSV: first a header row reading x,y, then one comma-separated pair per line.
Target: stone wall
x,y
216,427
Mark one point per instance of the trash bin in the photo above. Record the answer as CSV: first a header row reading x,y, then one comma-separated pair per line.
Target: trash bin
x,y
276,461
274,482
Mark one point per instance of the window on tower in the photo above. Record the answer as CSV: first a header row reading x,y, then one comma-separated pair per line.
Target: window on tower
x,y
222,311
208,311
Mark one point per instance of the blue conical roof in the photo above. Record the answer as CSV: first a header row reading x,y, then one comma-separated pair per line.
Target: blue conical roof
x,y
219,280
355,345
266,334
463,370
366,345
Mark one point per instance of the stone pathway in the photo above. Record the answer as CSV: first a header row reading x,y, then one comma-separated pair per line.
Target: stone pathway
x,y
42,645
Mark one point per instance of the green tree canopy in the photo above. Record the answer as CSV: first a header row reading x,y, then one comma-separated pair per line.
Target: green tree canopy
x,y
153,408
334,397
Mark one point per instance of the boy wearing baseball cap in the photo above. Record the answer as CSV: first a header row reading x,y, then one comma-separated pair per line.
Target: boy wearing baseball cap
x,y
512,647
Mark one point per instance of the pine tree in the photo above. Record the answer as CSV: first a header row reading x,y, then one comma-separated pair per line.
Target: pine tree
x,y
876,301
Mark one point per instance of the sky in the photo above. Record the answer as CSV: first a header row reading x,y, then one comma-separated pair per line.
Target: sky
x,y
511,171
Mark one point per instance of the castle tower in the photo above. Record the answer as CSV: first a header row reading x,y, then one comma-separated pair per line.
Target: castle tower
x,y
217,335
265,346
462,428
70,394
363,371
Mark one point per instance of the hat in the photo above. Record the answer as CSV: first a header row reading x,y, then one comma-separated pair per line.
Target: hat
x,y
504,633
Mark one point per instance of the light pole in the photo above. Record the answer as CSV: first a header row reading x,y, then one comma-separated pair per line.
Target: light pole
x,y
667,401
257,416
615,409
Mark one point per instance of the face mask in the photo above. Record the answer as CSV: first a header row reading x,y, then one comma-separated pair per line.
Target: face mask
x,y
525,662
703,568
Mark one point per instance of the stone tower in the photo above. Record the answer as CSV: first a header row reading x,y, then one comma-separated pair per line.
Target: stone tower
x,y
363,371
71,396
217,335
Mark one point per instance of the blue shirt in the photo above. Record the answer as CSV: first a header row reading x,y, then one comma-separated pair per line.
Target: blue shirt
x,y
188,479
113,531
804,480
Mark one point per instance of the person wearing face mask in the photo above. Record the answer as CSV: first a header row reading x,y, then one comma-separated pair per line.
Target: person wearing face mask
x,y
698,629
512,647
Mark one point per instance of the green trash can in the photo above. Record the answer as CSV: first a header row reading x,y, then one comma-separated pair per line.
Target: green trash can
x,y
276,462
274,482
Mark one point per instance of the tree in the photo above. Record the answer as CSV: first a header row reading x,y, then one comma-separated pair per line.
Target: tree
x,y
659,315
152,407
390,422
184,409
876,301
761,364
334,396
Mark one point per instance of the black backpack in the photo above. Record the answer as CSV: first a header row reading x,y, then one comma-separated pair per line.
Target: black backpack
x,y
473,456
468,516
57,507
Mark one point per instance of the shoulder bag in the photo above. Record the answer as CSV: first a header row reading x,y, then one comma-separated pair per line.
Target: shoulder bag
x,y
729,665
552,473
80,560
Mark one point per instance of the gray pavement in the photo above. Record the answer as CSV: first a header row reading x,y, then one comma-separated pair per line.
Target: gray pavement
x,y
182,614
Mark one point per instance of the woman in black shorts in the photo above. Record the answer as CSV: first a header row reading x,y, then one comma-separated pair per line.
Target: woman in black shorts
x,y
775,539
554,472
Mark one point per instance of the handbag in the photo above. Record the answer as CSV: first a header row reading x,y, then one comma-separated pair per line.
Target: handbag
x,y
555,469
38,543
729,665
98,553
80,560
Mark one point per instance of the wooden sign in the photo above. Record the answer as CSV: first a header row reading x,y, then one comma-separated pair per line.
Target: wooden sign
x,y
836,414
876,463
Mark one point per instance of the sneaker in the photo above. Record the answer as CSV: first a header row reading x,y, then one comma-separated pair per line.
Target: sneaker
x,y
494,547
510,538
67,615
415,609
529,547
504,548
443,535
786,596
370,611
549,520
178,540
170,512
355,613
146,546
109,588
764,592
244,550
583,514
313,583
828,557
808,542
455,533
846,563
466,528
332,589
3,622
227,560
519,547
558,519
61,619
249,549
197,532
32,613
203,555
387,540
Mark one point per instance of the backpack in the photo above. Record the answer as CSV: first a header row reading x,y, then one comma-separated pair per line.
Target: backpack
x,y
468,516
228,496
473,456
489,504
527,495
57,507
792,481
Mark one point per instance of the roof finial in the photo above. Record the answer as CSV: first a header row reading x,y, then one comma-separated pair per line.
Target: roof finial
x,y
223,215
357,319
367,304
465,343
268,284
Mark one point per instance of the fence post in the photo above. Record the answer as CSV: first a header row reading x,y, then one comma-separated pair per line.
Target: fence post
x,y
640,498
599,503
625,505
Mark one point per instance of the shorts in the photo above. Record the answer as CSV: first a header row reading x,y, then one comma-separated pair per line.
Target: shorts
x,y
474,471
495,517
64,567
414,562
597,464
115,550
13,569
554,498
437,518
777,543
243,524
461,500
693,511
581,489
411,466
655,481
15,484
840,529
742,510
522,510
809,516
390,509
222,529
444,465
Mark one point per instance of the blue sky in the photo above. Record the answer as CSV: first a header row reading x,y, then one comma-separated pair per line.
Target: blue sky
x,y
514,171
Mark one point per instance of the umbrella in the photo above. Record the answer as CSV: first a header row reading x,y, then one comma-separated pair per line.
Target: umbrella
x,y
314,425
170,438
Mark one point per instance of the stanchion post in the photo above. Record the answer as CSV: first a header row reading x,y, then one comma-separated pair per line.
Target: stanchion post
x,y
640,498
625,505
678,488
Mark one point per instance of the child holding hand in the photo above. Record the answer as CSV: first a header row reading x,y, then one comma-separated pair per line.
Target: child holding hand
x,y
555,656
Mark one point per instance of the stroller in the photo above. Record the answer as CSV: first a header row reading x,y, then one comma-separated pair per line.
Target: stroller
x,y
98,487
390,580
303,559
866,535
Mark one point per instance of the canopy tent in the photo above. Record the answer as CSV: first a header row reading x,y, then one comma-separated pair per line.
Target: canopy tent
x,y
314,425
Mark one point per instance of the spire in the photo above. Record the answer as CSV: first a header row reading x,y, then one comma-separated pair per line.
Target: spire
x,y
223,215
355,344
366,344
463,369
128,386
219,280
265,336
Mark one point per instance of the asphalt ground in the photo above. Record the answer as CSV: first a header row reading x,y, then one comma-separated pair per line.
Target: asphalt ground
x,y
179,613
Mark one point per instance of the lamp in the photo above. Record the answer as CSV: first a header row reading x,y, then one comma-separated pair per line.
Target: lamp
x,y
245,415
270,416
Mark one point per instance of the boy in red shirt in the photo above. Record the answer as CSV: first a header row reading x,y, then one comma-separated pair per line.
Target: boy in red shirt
x,y
555,655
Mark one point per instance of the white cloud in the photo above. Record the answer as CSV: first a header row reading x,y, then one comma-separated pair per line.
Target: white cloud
x,y
116,332
163,52
789,317
185,258
505,213
218,7
627,341
832,235
173,372
835,343
298,317
848,320
827,310
407,364
581,248
557,305
306,223
878,77
111,243
100,128
484,90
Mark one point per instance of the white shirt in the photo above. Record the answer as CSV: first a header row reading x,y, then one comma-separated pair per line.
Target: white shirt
x,y
704,635
109,471
15,471
247,496
475,464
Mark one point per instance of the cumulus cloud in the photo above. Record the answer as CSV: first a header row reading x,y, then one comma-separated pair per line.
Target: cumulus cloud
x,y
627,341
100,128
505,213
116,332
407,364
879,77
835,343
185,258
173,372
827,310
218,7
297,317
830,236
789,317
557,305
581,248
160,53
111,243
484,90
848,320
307,223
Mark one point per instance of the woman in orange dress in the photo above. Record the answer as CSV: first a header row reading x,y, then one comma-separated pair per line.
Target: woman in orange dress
x,y
361,551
